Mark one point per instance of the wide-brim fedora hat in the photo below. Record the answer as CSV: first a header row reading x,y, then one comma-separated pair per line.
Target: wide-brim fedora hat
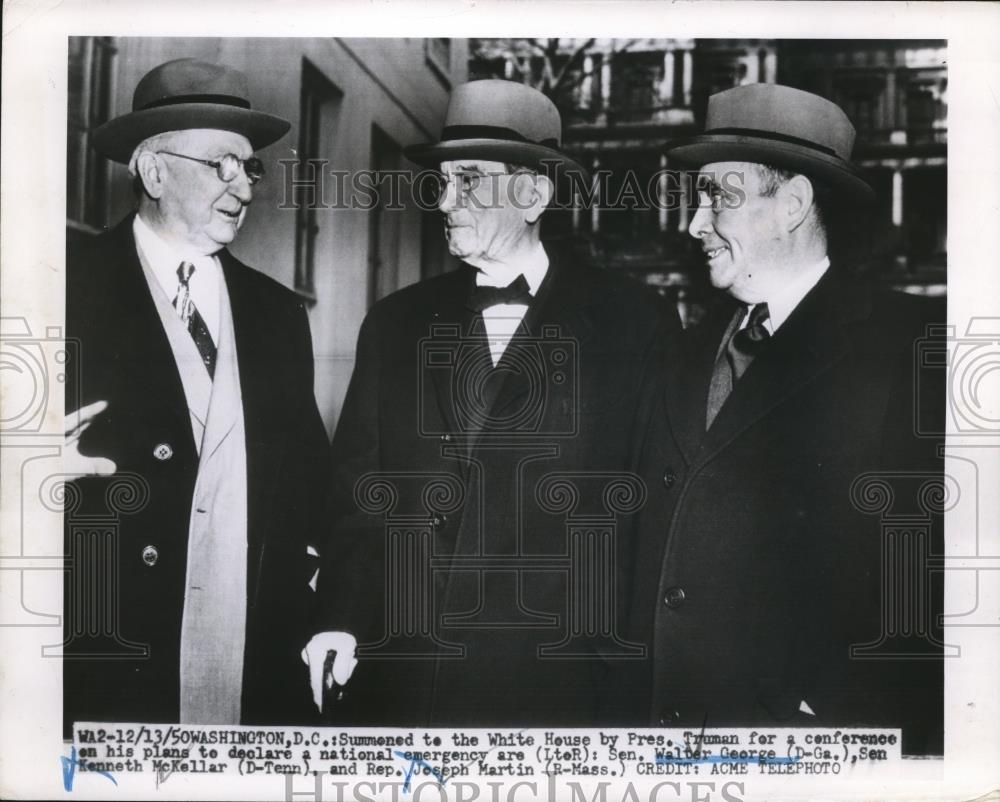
x,y
780,126
499,121
188,93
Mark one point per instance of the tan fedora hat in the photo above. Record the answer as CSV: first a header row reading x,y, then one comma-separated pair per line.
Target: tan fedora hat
x,y
187,93
780,126
499,121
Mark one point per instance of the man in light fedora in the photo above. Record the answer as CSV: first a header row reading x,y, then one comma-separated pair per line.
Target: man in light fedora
x,y
468,391
198,431
764,587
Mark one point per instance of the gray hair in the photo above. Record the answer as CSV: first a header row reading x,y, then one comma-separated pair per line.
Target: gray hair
x,y
161,141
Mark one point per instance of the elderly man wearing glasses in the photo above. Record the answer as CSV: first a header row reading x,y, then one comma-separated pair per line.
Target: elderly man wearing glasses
x,y
481,401
193,420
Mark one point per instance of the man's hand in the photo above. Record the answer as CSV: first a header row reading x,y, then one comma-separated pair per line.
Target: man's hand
x,y
74,463
343,645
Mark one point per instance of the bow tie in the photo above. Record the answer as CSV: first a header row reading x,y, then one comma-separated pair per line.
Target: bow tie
x,y
517,292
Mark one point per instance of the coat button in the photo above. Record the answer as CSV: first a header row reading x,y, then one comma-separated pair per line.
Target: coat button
x,y
150,554
674,598
668,717
163,452
669,478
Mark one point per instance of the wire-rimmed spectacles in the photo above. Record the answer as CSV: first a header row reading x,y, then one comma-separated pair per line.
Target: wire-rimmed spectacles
x,y
467,181
228,167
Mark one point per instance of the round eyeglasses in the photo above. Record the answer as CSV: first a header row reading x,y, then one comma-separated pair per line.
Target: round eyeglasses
x,y
468,181
228,167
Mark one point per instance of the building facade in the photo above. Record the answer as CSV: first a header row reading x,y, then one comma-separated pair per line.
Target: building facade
x,y
622,100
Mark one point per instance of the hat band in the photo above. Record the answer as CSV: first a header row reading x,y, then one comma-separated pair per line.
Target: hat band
x,y
493,132
791,140
223,100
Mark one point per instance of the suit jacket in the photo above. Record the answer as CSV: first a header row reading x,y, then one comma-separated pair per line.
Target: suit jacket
x,y
762,557
468,473
122,651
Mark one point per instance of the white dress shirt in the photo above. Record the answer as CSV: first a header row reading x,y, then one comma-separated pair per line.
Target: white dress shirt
x,y
501,321
164,258
783,304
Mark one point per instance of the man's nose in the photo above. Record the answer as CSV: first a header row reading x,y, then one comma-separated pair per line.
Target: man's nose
x,y
241,188
701,223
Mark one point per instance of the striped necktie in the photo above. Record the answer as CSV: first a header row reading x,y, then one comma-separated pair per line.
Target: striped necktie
x,y
742,346
192,318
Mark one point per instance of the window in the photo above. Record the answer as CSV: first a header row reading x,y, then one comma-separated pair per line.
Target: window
x,y
437,53
320,107
637,84
861,96
90,90
383,219
926,106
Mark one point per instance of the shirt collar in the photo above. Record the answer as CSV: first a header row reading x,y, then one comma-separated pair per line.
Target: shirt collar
x,y
164,257
533,267
783,304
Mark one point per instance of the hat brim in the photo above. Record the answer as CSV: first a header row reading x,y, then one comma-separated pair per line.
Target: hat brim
x,y
537,157
117,138
704,149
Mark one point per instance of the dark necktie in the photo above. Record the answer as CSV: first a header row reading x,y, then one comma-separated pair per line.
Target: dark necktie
x,y
742,346
192,318
517,292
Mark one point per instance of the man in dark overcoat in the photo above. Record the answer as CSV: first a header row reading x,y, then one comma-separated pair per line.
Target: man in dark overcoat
x,y
200,452
768,585
481,460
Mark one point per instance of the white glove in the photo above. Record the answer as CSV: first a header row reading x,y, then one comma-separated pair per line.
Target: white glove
x,y
343,646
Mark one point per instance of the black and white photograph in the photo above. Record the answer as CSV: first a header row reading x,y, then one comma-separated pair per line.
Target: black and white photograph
x,y
560,417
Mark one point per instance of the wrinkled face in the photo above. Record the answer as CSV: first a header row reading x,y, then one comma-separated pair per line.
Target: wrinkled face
x,y
484,209
196,206
738,228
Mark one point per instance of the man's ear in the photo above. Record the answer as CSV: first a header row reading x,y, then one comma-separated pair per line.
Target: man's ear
x,y
149,170
542,190
797,193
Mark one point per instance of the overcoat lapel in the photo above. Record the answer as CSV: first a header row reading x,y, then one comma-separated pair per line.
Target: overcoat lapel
x,y
687,380
450,312
262,413
562,312
815,336
144,351
226,404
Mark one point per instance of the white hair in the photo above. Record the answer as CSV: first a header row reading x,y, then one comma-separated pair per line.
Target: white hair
x,y
162,141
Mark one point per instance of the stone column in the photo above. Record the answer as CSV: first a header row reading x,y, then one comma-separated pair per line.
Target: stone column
x,y
587,84
595,210
687,76
664,197
667,84
897,196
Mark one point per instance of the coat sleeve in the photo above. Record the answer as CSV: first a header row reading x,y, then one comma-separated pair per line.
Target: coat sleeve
x,y
312,448
351,578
